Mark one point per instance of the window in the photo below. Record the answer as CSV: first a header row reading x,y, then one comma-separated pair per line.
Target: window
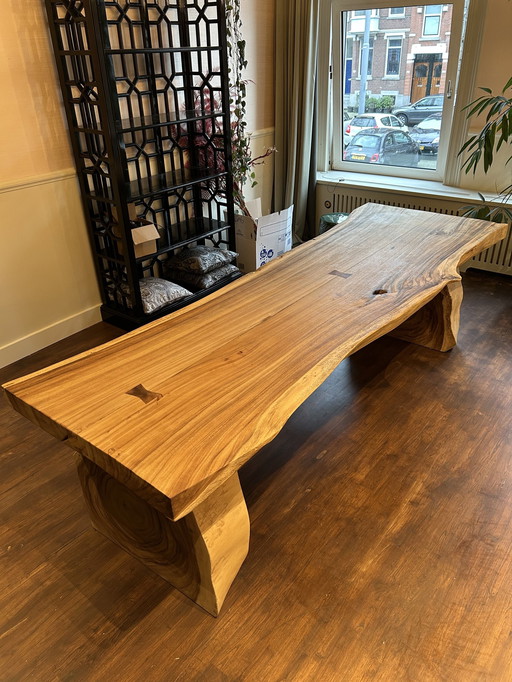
x,y
423,81
394,57
432,20
401,138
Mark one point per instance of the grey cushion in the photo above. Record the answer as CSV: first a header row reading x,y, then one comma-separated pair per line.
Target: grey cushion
x,y
203,281
200,259
157,293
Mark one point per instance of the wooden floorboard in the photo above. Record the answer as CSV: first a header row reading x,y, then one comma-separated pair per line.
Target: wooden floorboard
x,y
381,534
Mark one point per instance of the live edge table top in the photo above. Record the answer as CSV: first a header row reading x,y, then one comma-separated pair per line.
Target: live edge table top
x,y
174,408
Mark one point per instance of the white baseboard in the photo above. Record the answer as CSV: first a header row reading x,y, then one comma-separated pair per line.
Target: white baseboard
x,y
41,338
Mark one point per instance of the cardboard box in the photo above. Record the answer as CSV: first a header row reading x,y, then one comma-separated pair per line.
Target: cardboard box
x,y
144,238
144,235
264,239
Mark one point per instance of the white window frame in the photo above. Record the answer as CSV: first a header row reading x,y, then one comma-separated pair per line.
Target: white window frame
x,y
453,134
375,13
388,47
426,15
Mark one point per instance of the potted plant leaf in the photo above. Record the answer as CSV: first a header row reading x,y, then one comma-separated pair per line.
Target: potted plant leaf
x,y
482,147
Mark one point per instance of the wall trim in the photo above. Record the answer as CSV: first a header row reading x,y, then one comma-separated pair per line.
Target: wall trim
x,y
412,186
263,132
26,345
24,183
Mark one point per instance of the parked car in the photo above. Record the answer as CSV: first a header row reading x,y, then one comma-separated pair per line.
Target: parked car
x,y
426,134
383,146
346,119
414,113
363,121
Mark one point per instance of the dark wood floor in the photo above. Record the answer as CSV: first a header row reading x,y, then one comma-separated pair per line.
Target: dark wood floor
x,y
381,544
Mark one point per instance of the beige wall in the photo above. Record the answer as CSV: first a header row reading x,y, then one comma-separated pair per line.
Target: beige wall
x,y
494,70
495,62
47,285
32,135
258,18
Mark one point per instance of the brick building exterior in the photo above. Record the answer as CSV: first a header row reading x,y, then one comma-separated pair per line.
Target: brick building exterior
x,y
408,52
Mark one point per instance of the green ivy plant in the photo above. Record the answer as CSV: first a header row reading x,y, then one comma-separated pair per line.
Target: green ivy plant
x,y
482,147
242,162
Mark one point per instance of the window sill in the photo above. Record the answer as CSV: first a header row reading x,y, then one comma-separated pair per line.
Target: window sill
x,y
426,188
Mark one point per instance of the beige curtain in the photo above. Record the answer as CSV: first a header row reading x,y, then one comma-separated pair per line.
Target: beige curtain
x,y
295,118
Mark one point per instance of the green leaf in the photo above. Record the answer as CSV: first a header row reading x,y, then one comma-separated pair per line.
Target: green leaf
x,y
504,128
477,109
472,103
507,85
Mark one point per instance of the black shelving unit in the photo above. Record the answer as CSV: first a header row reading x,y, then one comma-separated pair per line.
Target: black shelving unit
x,y
146,92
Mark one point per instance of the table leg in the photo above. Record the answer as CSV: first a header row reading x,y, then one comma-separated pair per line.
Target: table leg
x,y
199,554
436,325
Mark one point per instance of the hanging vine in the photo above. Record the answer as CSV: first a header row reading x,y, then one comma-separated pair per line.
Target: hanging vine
x,y
207,155
242,161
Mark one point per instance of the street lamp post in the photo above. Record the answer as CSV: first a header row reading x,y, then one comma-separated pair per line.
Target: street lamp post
x,y
365,51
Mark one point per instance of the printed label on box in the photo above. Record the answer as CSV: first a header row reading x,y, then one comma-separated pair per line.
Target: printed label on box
x,y
261,240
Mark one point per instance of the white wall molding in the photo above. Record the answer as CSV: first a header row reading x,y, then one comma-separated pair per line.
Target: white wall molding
x,y
20,348
24,183
263,132
47,269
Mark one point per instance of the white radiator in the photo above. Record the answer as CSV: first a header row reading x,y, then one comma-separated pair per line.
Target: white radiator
x,y
335,199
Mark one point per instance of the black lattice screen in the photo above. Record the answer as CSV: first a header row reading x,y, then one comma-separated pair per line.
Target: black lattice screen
x,y
147,100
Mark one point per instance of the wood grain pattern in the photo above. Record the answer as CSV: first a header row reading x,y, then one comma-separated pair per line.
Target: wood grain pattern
x,y
225,374
200,554
381,534
232,368
436,325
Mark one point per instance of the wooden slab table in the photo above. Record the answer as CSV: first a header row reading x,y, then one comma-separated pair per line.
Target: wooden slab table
x,y
163,417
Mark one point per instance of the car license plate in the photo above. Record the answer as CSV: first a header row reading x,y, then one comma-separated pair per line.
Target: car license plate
x,y
422,147
358,157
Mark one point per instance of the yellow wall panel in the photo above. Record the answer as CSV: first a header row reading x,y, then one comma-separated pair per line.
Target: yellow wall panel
x,y
258,17
495,62
33,136
46,268
494,70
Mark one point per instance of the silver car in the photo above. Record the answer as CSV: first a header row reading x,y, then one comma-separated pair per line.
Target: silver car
x,y
366,121
414,113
